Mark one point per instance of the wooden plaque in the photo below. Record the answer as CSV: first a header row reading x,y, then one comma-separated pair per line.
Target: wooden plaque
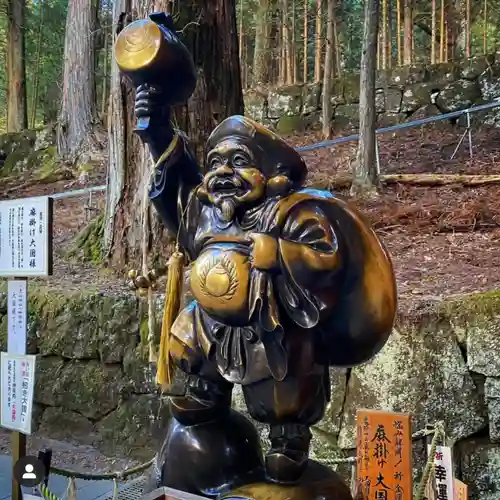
x,y
460,490
384,468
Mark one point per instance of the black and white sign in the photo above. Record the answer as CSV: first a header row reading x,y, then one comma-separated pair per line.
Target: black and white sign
x,y
25,237
17,316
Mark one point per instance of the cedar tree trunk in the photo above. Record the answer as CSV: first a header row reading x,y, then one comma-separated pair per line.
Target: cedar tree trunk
x,y
17,112
209,31
78,107
328,73
365,177
262,59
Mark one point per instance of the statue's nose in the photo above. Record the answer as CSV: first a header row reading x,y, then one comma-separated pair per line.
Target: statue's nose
x,y
224,170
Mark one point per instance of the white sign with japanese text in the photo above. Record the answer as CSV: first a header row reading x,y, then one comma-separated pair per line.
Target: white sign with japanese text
x,y
25,239
17,383
17,316
443,472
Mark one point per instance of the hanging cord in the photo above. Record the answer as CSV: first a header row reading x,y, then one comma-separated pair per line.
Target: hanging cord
x,y
429,466
71,491
145,239
172,305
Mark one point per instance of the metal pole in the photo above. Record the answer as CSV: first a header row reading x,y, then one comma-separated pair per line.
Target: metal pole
x,y
377,155
470,133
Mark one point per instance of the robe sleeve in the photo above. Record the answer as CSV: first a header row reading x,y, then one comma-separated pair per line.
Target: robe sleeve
x,y
308,249
307,264
173,192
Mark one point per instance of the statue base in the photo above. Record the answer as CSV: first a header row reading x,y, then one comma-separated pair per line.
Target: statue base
x,y
222,459
318,482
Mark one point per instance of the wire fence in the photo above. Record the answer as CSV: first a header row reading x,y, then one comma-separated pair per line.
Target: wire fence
x,y
349,138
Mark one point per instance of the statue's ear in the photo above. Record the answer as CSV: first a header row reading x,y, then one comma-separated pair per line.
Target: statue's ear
x,y
202,194
278,185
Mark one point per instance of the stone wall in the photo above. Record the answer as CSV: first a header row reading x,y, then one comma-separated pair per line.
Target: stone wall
x,y
441,363
92,383
403,94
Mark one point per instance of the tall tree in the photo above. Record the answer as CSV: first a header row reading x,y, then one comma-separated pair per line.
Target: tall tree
x,y
37,66
443,35
398,32
318,44
329,66
78,113
209,31
485,24
294,51
305,41
262,47
408,32
287,41
434,33
467,28
17,109
385,34
365,174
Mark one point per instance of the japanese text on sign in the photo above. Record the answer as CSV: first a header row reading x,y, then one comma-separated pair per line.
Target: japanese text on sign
x,y
443,472
17,382
17,316
384,469
25,237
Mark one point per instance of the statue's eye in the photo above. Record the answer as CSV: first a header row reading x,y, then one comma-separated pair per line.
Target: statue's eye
x,y
215,162
240,160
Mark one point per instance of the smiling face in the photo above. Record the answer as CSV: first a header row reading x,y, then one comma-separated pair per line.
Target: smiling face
x,y
233,180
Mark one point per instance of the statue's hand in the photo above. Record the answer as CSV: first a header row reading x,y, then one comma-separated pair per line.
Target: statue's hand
x,y
264,251
149,102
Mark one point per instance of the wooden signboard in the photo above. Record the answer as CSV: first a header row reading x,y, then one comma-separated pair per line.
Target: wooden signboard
x,y
384,468
26,237
460,490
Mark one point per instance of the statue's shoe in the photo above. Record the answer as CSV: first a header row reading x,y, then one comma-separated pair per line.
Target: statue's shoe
x,y
285,468
209,458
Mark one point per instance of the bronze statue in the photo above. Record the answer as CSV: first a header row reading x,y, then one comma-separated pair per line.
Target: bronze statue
x,y
286,282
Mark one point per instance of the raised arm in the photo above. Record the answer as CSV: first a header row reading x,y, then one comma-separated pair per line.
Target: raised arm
x,y
177,173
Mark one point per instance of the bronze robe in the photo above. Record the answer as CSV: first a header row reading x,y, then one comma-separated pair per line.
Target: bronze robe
x,y
330,279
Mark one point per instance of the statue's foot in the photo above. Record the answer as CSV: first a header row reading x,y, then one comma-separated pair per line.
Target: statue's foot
x,y
209,457
285,468
287,460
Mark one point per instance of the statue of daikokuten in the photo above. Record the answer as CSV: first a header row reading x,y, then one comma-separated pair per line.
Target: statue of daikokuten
x,y
285,281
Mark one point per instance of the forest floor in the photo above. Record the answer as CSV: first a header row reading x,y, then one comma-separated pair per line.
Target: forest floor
x,y
444,241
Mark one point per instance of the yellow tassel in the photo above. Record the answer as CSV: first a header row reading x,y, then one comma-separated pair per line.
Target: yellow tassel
x,y
173,294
